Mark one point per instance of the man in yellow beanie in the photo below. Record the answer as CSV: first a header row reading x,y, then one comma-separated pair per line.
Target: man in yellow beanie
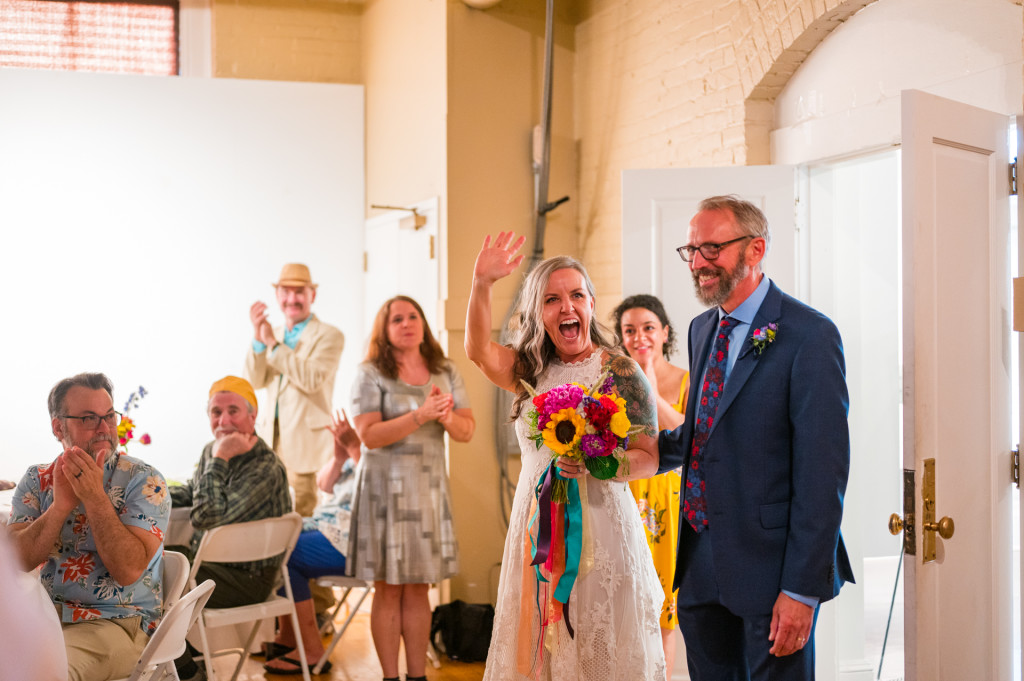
x,y
238,479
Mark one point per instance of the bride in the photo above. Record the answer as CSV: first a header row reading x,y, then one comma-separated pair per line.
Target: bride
x,y
616,600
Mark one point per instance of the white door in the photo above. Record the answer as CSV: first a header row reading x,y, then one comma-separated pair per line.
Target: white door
x,y
657,207
956,400
402,259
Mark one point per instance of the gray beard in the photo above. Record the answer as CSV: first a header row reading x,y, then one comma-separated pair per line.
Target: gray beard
x,y
727,281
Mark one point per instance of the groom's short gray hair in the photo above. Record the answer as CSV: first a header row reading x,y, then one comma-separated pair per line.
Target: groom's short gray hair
x,y
749,218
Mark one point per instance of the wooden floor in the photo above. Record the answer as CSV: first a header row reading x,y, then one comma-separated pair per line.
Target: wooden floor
x,y
354,658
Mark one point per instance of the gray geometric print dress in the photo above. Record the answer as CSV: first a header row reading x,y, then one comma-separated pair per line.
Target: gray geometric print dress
x,y
402,530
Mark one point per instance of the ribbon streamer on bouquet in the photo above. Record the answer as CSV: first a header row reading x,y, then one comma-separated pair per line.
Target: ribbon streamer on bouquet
x,y
559,538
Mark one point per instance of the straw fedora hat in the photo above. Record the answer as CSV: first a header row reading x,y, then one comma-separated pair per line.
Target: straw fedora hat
x,y
295,274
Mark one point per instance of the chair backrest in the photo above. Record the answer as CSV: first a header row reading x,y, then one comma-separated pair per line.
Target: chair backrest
x,y
175,577
168,641
242,542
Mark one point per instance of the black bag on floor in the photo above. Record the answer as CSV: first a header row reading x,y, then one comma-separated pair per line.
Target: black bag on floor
x,y
464,630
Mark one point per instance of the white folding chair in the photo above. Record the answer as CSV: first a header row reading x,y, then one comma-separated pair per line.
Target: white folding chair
x,y
168,641
348,584
175,577
243,542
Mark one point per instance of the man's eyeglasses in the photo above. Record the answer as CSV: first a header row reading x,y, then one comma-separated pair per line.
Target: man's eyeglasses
x,y
92,421
709,250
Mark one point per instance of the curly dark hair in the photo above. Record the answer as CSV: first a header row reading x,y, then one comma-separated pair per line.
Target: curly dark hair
x,y
647,302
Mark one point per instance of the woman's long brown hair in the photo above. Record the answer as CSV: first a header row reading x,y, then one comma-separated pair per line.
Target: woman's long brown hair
x,y
379,352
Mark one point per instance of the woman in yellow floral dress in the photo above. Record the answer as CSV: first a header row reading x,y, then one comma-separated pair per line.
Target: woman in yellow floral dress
x,y
644,332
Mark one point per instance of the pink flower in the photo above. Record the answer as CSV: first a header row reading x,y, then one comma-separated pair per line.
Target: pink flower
x,y
145,439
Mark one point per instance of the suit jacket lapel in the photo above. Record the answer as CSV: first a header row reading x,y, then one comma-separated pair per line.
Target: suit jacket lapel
x,y
747,360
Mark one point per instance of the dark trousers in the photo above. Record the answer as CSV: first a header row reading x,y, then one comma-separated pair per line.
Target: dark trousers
x,y
721,645
235,586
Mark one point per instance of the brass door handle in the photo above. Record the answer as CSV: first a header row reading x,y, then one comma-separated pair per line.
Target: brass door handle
x,y
944,527
907,524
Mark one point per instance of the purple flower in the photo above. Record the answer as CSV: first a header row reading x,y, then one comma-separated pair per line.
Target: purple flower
x,y
592,445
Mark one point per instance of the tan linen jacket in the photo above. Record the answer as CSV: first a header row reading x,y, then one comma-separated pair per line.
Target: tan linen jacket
x,y
300,386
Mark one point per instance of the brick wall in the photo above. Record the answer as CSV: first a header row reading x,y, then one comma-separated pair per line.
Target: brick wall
x,y
678,83
298,40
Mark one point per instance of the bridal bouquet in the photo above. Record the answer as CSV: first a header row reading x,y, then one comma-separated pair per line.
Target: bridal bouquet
x,y
589,425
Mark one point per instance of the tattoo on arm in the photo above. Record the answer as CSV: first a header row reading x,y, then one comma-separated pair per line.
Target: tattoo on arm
x,y
632,386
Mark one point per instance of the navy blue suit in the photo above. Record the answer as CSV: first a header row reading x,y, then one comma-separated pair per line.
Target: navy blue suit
x,y
776,464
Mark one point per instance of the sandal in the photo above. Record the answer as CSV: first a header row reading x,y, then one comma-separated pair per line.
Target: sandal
x,y
297,667
270,650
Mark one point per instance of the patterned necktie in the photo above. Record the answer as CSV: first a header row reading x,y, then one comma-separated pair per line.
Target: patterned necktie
x,y
695,505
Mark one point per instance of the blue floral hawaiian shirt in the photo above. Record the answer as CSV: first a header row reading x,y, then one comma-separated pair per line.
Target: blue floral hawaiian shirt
x,y
74,574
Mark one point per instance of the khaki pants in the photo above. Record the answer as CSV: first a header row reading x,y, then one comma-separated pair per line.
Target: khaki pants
x,y
304,485
99,650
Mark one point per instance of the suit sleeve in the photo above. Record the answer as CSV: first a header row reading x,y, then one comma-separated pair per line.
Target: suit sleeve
x,y
257,372
311,372
672,444
818,411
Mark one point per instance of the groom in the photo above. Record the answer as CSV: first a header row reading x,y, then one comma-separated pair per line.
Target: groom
x,y
765,451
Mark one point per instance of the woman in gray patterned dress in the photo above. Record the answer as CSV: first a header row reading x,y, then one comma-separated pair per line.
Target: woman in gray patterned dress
x,y
407,395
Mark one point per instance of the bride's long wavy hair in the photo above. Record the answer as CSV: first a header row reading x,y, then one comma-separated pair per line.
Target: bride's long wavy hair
x,y
534,349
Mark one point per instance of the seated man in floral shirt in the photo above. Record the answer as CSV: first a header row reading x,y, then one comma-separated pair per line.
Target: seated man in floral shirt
x,y
238,479
94,520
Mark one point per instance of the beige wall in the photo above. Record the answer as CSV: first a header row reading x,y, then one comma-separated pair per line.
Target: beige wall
x,y
299,40
495,74
403,56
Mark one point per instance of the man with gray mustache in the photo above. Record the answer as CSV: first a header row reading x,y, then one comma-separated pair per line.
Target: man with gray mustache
x,y
93,520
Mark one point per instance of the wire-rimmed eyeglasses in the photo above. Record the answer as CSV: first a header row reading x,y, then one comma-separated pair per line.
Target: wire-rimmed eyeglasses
x,y
92,421
708,251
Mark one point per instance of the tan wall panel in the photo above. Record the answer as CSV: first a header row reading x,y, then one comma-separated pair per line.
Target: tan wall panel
x,y
299,40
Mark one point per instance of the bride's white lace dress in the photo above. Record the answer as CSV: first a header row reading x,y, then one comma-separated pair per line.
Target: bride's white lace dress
x,y
614,607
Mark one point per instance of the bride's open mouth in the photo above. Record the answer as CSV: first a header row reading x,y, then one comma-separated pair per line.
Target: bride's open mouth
x,y
569,329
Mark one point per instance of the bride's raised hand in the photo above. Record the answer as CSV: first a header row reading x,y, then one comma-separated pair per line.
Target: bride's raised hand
x,y
499,259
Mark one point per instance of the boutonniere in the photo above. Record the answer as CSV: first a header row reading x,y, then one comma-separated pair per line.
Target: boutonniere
x,y
763,337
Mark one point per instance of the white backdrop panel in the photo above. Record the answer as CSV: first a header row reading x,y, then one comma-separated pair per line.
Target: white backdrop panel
x,y
142,216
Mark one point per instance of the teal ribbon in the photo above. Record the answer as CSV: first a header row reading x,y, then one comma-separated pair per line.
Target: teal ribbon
x,y
541,547
573,543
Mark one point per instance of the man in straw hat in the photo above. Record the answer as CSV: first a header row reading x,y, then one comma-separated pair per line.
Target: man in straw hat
x,y
238,479
297,364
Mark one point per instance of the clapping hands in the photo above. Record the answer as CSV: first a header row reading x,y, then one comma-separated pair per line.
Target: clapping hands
x,y
262,331
437,406
346,439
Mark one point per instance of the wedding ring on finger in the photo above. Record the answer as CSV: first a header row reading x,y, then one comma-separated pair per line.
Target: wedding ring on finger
x,y
78,474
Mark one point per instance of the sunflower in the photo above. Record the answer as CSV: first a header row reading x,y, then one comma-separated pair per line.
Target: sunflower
x,y
563,432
